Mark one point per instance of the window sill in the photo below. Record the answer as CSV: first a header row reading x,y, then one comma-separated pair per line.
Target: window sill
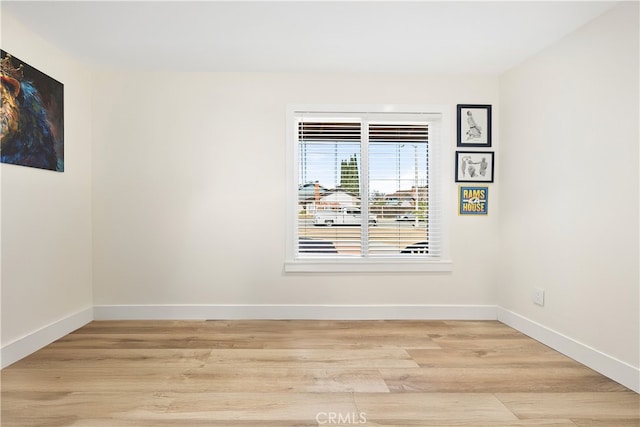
x,y
366,266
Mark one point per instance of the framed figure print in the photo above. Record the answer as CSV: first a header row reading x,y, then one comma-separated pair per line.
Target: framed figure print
x,y
474,166
474,125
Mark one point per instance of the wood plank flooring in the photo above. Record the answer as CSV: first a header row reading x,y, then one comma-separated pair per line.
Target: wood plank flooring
x,y
308,373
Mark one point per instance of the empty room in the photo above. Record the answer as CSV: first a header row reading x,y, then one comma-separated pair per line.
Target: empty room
x,y
310,213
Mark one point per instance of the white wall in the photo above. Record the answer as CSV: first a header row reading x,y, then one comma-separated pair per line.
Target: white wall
x,y
46,216
569,186
172,152
175,156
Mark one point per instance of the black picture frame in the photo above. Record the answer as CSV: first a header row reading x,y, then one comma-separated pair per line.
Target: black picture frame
x,y
474,166
474,125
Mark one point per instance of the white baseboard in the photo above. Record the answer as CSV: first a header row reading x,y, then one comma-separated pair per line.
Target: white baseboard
x,y
286,311
617,370
33,342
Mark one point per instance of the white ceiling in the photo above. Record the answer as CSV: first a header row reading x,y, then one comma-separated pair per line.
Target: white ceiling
x,y
453,37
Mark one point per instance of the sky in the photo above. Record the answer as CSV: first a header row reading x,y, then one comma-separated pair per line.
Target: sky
x,y
392,166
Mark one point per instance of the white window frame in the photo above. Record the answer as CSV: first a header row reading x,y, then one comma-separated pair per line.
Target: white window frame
x,y
337,265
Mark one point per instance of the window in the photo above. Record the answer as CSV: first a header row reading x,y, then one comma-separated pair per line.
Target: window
x,y
367,190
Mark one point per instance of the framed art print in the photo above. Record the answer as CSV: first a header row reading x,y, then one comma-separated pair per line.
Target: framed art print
x,y
474,125
473,200
474,166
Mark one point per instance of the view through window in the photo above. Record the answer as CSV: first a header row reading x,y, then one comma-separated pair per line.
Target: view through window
x,y
365,187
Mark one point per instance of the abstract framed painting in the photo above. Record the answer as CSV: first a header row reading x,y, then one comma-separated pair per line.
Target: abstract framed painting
x,y
31,116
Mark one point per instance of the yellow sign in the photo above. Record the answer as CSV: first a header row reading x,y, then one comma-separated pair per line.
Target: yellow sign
x,y
473,200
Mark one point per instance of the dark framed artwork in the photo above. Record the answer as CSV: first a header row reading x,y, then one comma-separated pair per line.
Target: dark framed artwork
x,y
31,116
473,200
474,125
474,166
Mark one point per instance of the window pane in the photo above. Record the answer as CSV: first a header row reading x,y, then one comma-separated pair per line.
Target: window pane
x,y
398,195
329,188
395,220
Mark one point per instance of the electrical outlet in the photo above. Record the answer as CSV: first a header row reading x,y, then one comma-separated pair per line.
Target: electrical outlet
x,y
538,296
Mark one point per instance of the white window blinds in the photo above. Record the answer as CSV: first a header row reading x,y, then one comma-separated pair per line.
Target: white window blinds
x,y
366,186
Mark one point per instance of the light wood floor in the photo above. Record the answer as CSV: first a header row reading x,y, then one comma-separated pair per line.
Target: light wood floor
x,y
308,373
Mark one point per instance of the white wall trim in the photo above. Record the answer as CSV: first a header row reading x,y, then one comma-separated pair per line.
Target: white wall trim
x,y
22,347
365,266
617,370
286,311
